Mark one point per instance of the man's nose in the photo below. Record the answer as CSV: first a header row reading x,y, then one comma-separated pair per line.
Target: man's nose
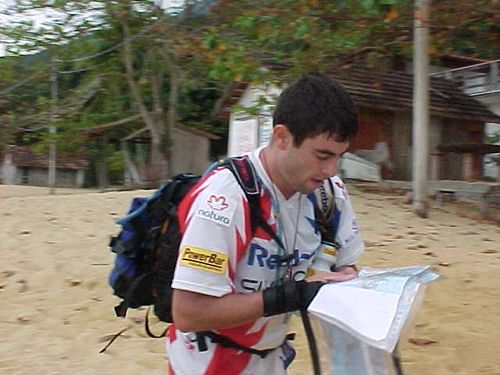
x,y
329,169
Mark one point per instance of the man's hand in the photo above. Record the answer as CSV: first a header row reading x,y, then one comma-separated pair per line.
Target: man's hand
x,y
291,296
330,277
351,270
343,273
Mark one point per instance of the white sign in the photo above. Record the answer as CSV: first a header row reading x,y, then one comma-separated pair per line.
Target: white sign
x,y
265,129
243,136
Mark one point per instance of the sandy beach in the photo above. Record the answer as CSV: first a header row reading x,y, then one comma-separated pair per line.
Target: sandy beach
x,y
56,310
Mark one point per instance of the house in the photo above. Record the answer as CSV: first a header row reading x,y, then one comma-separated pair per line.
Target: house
x,y
480,79
385,102
21,166
190,152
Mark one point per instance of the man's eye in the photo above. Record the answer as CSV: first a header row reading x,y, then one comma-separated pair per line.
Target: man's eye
x,y
322,157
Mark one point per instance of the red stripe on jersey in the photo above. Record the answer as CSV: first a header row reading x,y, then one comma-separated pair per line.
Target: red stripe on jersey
x,y
266,208
185,205
240,249
170,370
242,242
340,185
171,334
232,361
248,226
187,201
227,361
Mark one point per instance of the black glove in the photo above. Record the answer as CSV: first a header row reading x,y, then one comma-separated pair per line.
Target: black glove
x,y
291,296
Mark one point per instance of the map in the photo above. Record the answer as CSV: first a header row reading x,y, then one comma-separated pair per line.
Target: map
x,y
377,305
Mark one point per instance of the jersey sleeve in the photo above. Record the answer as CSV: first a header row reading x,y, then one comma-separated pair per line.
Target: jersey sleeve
x,y
215,233
348,234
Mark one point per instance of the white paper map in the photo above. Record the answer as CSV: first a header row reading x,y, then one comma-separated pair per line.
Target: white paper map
x,y
375,306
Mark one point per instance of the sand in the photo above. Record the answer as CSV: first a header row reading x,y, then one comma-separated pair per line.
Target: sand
x,y
56,309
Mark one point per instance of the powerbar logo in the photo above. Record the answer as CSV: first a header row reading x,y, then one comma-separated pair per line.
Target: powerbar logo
x,y
203,259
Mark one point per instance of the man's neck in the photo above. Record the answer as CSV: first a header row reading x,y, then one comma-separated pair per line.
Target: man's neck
x,y
270,164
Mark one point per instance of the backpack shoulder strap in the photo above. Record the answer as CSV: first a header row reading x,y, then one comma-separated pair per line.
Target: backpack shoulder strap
x,y
336,212
328,226
244,172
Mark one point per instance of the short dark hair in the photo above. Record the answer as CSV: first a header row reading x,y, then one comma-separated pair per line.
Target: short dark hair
x,y
316,104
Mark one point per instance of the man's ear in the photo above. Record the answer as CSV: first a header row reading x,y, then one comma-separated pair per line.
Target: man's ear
x,y
282,136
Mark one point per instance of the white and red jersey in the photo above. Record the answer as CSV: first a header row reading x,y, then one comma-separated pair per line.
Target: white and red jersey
x,y
219,255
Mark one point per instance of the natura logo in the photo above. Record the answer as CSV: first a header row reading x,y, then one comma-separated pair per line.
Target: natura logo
x,y
217,203
218,209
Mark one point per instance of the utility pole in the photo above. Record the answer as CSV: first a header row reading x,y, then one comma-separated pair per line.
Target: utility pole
x,y
420,107
53,130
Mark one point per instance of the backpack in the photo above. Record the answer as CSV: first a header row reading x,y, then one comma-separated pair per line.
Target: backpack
x,y
146,248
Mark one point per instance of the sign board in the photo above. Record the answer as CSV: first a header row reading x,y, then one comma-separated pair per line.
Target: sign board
x,y
243,135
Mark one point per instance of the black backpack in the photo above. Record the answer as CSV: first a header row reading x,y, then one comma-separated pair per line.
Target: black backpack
x,y
147,246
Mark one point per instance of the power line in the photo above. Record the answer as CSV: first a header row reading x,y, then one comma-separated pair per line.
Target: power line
x,y
86,69
84,58
112,48
19,84
36,75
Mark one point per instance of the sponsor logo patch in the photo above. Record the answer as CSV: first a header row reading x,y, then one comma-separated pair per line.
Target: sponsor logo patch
x,y
203,259
260,257
217,208
218,203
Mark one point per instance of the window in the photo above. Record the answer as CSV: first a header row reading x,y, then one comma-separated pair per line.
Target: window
x,y
24,175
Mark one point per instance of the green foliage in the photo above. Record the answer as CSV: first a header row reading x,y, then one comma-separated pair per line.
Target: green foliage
x,y
91,81
116,165
246,40
311,35
300,35
466,27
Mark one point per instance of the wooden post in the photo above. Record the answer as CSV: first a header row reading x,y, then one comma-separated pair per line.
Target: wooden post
x,y
53,130
436,165
420,107
102,169
468,166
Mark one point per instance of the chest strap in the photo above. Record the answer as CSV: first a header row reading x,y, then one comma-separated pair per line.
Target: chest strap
x,y
228,343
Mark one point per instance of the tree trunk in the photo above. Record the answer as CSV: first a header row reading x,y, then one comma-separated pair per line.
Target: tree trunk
x,y
176,77
154,122
102,164
173,98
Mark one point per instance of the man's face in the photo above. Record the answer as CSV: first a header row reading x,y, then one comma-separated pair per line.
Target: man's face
x,y
304,168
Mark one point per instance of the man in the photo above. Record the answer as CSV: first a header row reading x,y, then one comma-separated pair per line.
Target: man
x,y
244,303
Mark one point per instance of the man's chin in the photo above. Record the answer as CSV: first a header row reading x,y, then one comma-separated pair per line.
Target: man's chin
x,y
310,188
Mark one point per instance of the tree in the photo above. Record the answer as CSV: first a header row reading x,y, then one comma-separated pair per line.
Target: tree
x,y
122,58
133,43
306,35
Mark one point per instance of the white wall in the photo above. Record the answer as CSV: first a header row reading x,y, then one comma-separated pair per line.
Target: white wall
x,y
190,152
8,171
247,131
493,103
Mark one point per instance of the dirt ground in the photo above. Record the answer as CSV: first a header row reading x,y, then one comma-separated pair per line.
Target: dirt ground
x,y
56,311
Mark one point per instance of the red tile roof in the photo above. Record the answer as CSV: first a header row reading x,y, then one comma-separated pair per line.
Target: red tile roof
x,y
393,90
22,156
